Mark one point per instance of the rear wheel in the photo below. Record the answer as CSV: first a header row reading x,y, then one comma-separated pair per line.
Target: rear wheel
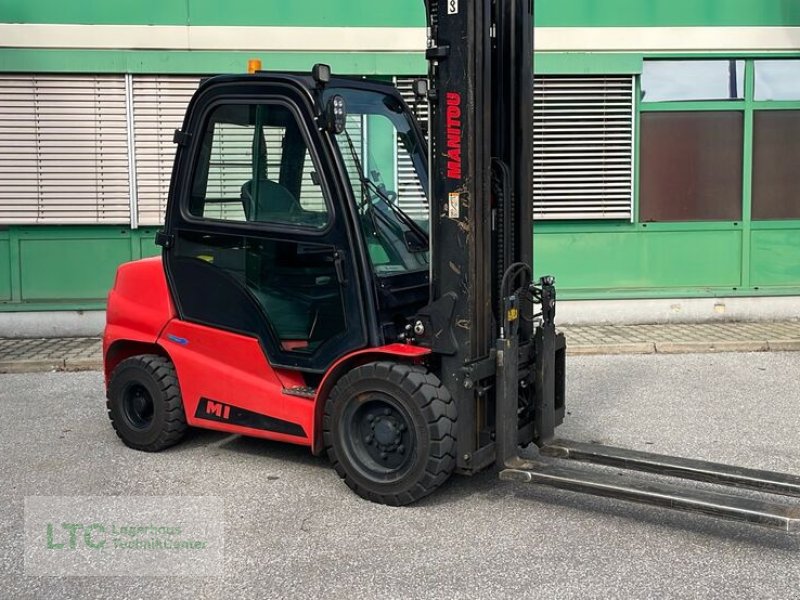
x,y
144,403
389,430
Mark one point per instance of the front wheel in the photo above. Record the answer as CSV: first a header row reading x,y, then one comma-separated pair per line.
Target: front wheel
x,y
389,430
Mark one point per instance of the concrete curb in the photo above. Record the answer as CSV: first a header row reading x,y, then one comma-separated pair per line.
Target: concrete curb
x,y
622,348
708,347
31,366
683,347
83,364
785,346
52,324
50,365
55,324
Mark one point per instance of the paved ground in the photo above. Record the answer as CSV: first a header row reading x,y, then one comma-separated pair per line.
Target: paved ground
x,y
683,338
79,354
293,529
53,354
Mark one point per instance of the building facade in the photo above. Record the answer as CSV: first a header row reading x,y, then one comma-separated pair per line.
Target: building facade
x,y
667,133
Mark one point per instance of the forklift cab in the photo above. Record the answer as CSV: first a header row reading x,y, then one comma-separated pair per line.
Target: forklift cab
x,y
285,221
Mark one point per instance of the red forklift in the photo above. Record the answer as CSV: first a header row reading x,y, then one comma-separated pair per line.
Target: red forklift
x,y
305,295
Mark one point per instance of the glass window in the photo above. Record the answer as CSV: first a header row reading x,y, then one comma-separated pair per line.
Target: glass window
x,y
221,278
377,137
777,80
230,165
255,166
686,80
691,166
776,177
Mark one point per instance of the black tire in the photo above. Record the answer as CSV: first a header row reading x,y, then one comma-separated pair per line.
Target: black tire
x,y
390,431
144,403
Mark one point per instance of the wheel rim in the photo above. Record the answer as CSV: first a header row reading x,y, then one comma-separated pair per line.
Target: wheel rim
x,y
138,406
378,437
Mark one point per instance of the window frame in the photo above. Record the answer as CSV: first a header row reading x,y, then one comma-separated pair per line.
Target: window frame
x,y
721,59
759,112
741,167
756,106
273,227
742,106
755,99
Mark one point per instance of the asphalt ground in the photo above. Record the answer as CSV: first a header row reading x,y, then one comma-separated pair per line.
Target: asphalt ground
x,y
292,529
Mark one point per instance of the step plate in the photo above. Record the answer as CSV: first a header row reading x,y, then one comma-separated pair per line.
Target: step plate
x,y
612,485
673,466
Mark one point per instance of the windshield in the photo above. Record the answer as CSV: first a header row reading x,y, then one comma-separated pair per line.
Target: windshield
x,y
385,162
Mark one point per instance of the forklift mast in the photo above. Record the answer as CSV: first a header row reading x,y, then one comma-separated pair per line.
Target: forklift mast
x,y
481,143
481,69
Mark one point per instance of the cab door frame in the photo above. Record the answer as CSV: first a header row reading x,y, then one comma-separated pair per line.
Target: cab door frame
x,y
340,232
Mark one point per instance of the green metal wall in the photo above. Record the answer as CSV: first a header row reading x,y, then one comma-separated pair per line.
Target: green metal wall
x,y
202,62
351,13
67,267
667,13
5,267
48,268
400,13
669,260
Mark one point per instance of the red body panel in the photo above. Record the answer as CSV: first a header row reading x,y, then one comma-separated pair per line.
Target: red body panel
x,y
139,306
222,373
232,369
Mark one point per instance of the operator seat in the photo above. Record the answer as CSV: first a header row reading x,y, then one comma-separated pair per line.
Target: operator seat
x,y
274,202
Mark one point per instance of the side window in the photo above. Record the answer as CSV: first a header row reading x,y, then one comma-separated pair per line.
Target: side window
x,y
230,164
255,166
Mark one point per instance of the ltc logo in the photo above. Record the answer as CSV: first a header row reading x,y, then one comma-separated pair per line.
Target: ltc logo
x,y
222,411
74,531
452,7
